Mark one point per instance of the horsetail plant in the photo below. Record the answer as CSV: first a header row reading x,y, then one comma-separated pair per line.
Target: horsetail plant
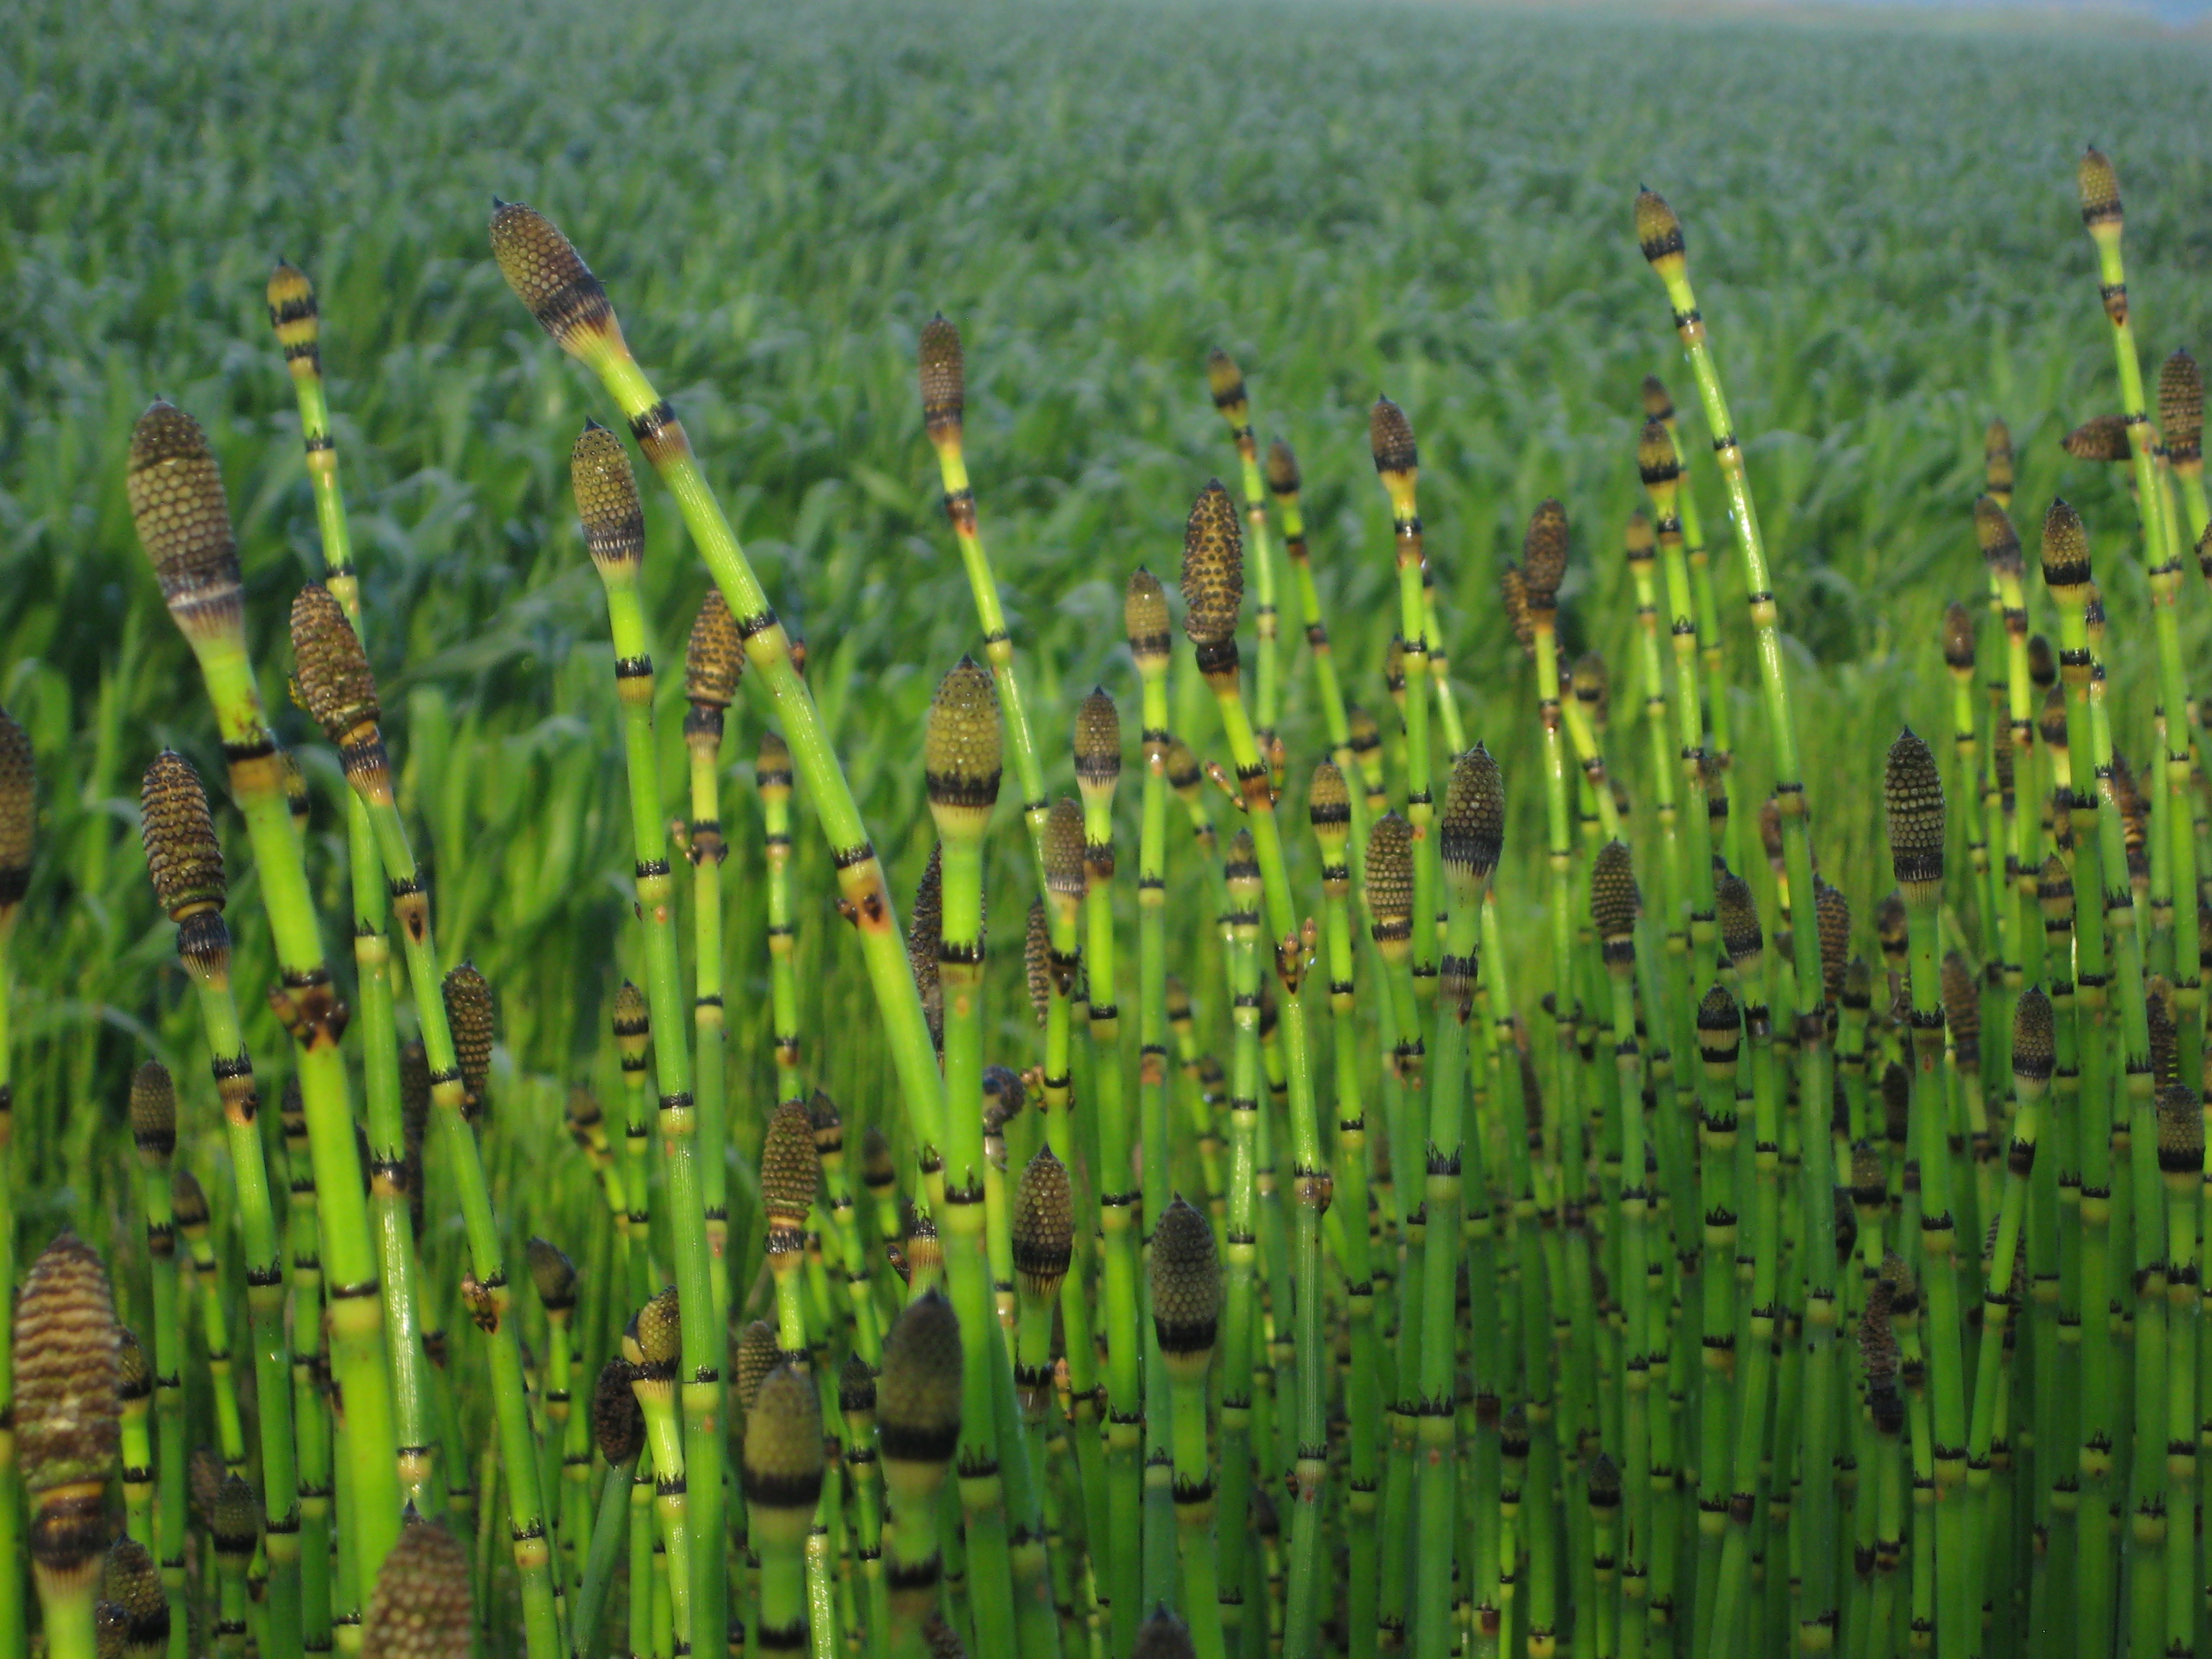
x,y
420,1607
19,813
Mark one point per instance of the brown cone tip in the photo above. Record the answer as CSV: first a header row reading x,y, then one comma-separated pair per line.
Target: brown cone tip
x,y
2032,1037
548,275
1997,458
1162,1635
925,936
131,1579
472,1015
918,1390
1958,637
875,1167
944,374
67,1370
1186,1280
783,1455
552,1273
772,767
961,744
632,1018
1604,1482
1043,1225
1658,232
2042,663
2181,407
828,1123
2099,186
1390,437
134,1368
1962,1004
1613,898
1036,960
1473,826
790,1167
1223,379
19,809
178,504
715,657
1742,936
1994,536
1912,800
290,295
1897,1278
1896,1101
183,855
2180,1130
1878,1349
757,1352
420,1607
1145,616
1858,982
1513,593
607,498
1213,567
1592,683
1390,871
332,674
1063,847
187,1200
618,1420
1328,799
1544,553
153,1107
1868,1173
1657,460
2099,438
1720,1024
1832,914
1658,402
236,1522
1098,738
856,1387
1637,539
1283,469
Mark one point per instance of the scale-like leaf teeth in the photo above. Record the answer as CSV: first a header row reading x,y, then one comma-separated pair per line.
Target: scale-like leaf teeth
x,y
235,1524
2042,663
1097,739
753,1357
790,1167
1144,617
944,375
1742,935
67,1370
1657,460
1720,1026
2065,548
1240,872
2032,1039
154,1109
856,1387
1912,800
1043,1224
548,276
1283,476
1544,554
1996,458
1998,540
1472,833
1592,684
1890,923
783,1454
131,1579
421,1608
293,313
1162,1635
19,811
1183,769
1962,1006
1896,1277
618,1420
1957,638
2099,438
1390,438
1328,799
1225,381
183,855
1513,593
1186,1281
187,1201
336,684
607,501
184,521
552,1273
1658,402
918,1391
473,1016
1212,568
1832,914
1614,901
1366,735
828,1124
1390,874
633,1019
1036,960
2180,1132
1858,983
2100,189
2181,408
1658,232
659,1326
1063,848
2051,719
714,659
961,744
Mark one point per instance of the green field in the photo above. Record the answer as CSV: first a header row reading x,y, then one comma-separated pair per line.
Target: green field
x,y
1424,201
